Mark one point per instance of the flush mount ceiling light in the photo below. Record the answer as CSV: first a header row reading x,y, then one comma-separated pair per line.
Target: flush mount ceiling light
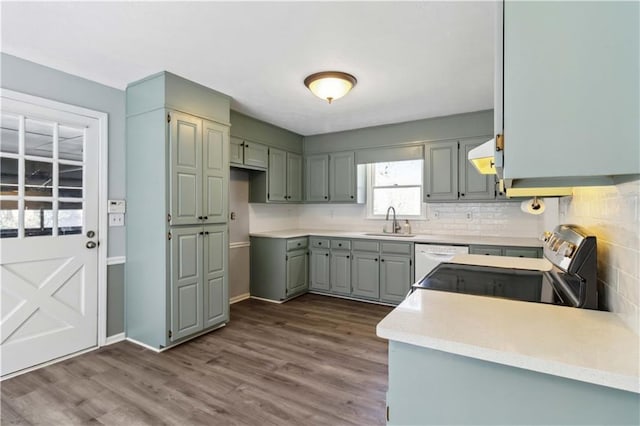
x,y
330,85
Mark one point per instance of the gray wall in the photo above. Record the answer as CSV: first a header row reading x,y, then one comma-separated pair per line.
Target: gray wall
x,y
450,127
239,232
34,79
245,127
115,299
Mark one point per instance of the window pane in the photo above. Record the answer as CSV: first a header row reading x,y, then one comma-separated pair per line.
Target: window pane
x,y
9,137
397,173
38,138
38,218
406,201
8,219
69,218
70,143
69,181
38,177
8,176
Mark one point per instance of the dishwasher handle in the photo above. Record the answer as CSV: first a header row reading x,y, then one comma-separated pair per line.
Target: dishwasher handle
x,y
437,256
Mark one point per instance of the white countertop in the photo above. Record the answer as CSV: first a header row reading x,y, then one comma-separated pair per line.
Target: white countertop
x,y
419,238
580,344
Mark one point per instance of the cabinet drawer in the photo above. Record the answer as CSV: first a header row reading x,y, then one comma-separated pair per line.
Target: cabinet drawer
x,y
399,248
340,245
360,245
486,250
297,243
320,243
532,252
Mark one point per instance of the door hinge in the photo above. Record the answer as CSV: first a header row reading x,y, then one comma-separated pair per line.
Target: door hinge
x,y
169,217
268,196
387,413
169,235
170,334
410,262
168,118
286,258
499,142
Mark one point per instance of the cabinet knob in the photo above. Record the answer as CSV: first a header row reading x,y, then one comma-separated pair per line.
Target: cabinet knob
x,y
381,260
376,259
325,197
339,244
201,233
199,217
326,254
206,217
352,197
428,195
298,243
462,195
246,145
347,256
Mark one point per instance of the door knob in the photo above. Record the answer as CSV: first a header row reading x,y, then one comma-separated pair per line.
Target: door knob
x,y
91,244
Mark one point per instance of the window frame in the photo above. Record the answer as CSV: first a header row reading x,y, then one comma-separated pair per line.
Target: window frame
x,y
370,198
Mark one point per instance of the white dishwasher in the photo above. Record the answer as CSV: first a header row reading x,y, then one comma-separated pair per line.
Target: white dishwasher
x,y
428,256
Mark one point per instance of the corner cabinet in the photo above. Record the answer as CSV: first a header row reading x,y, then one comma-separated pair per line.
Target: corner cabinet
x,y
176,276
279,268
282,181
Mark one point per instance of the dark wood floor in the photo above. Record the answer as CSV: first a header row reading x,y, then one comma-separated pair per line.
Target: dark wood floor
x,y
312,361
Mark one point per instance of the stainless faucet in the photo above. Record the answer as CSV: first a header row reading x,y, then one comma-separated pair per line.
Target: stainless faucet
x,y
396,225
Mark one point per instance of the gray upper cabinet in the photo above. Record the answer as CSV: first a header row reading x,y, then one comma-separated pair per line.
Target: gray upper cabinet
x,y
277,175
342,177
294,177
580,103
199,170
532,252
248,154
177,134
441,171
471,184
317,178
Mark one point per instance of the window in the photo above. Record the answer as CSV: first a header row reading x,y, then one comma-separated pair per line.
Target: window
x,y
397,184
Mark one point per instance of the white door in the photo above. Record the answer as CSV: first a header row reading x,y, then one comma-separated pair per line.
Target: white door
x,y
48,228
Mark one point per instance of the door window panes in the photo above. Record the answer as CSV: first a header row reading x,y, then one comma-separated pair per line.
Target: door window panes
x,y
70,143
9,135
69,181
38,138
38,179
69,218
9,176
38,218
8,219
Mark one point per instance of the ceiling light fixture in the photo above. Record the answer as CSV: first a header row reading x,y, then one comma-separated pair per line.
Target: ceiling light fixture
x,y
330,85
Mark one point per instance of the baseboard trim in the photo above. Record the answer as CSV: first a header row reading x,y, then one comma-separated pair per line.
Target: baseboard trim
x,y
279,302
144,345
116,260
46,364
115,339
173,345
239,298
239,244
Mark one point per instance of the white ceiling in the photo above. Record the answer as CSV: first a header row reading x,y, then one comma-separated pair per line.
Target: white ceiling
x,y
412,60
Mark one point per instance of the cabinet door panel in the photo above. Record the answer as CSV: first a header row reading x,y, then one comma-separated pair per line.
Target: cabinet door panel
x,y
215,153
294,177
297,272
236,154
341,272
342,177
216,300
441,171
473,185
186,282
395,278
186,168
277,175
256,155
320,270
365,275
317,178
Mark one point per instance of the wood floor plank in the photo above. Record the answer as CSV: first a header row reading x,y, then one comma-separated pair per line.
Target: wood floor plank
x,y
314,360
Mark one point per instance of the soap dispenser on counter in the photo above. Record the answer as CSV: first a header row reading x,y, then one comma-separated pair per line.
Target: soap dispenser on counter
x,y
406,228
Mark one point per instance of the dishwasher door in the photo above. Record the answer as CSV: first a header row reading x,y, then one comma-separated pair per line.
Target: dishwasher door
x,y
428,256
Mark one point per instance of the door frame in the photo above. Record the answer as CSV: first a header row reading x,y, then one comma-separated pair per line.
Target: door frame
x,y
103,160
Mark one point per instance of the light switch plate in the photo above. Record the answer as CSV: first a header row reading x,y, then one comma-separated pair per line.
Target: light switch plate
x,y
116,206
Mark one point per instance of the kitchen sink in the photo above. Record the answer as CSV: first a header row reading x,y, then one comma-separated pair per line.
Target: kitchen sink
x,y
389,234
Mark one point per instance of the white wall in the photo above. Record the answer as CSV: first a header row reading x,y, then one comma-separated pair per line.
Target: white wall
x,y
612,214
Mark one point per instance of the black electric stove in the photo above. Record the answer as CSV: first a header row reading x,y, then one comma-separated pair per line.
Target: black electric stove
x,y
570,282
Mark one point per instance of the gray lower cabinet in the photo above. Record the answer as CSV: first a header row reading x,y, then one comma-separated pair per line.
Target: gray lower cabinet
x,y
340,267
319,279
532,252
279,267
365,275
395,277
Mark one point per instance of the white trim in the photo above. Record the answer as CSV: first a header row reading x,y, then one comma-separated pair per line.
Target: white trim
x,y
370,200
239,244
144,345
279,302
156,350
115,339
116,260
103,123
239,298
46,364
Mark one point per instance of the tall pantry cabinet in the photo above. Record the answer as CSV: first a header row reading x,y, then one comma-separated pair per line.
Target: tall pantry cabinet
x,y
177,207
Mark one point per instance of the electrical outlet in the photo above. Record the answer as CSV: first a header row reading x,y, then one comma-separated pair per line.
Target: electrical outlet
x,y
116,219
469,216
436,214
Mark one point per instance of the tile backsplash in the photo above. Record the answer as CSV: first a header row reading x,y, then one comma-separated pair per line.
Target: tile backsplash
x,y
612,214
